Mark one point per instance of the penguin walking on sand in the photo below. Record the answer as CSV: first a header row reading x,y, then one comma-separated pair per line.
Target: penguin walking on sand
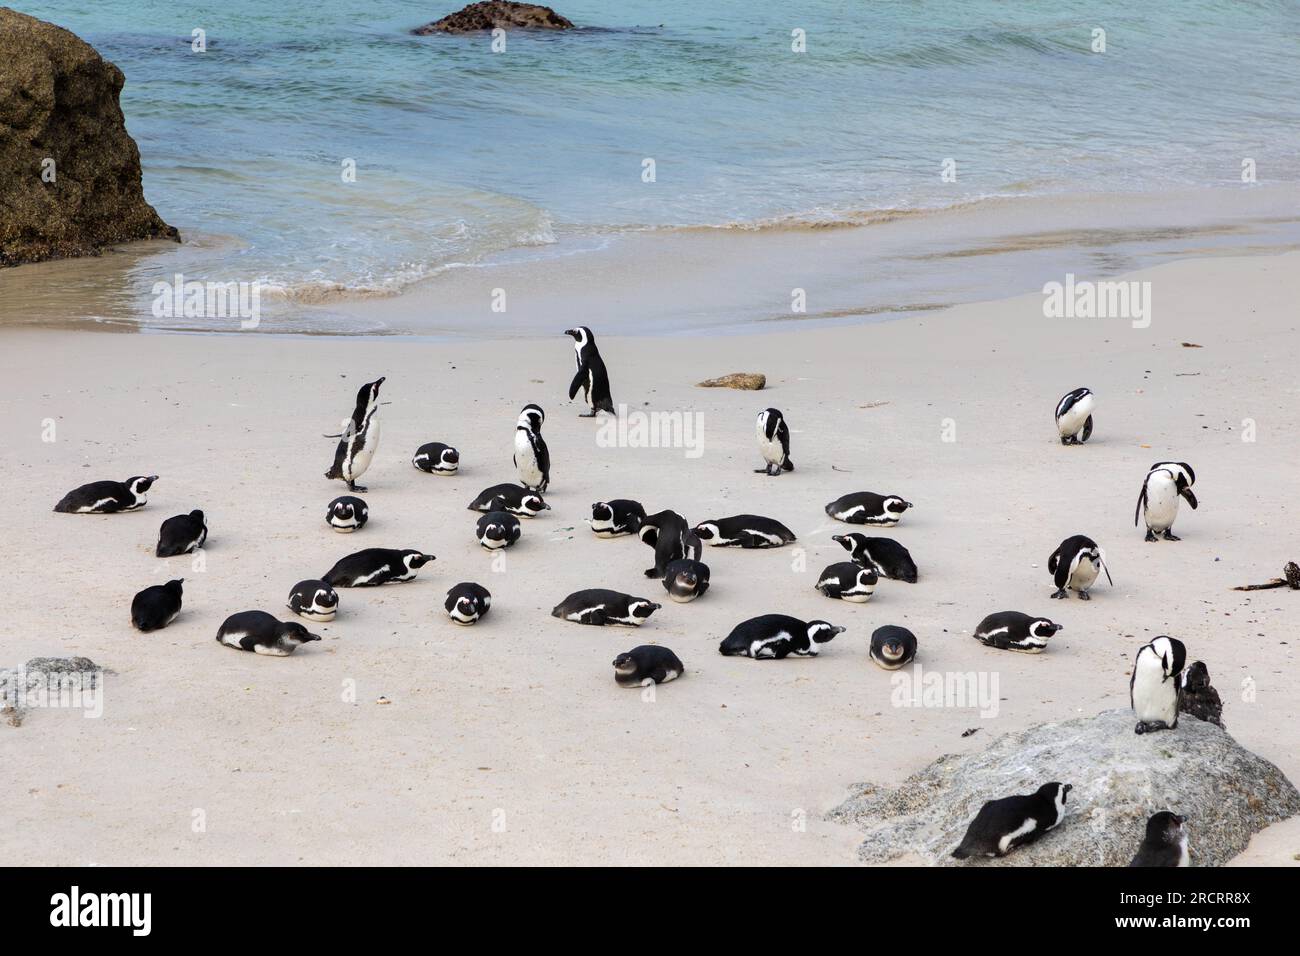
x,y
1165,843
1002,825
107,497
591,375
1074,566
359,439
773,442
1165,483
532,457
1154,689
1074,416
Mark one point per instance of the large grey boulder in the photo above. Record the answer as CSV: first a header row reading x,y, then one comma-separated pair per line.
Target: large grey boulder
x,y
69,171
1119,778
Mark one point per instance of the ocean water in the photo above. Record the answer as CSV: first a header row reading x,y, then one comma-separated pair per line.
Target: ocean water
x,y
463,154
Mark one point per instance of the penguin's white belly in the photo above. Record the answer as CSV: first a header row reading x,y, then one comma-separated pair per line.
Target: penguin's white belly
x,y
355,465
1162,504
1084,574
770,450
1072,422
1154,698
526,462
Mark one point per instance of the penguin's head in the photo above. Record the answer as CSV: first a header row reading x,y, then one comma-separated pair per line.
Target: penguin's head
x,y
853,543
706,530
643,609
819,632
1196,677
1165,827
601,511
1043,628
494,531
896,505
450,456
624,664
140,483
1185,489
580,334
174,586
867,577
467,604
292,632
368,394
416,559
1056,792
532,417
197,516
1172,653
531,504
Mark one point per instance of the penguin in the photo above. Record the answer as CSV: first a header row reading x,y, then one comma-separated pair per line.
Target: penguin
x,y
315,600
672,538
1199,698
1074,416
375,566
436,458
1154,689
107,497
1002,825
360,438
467,602
157,606
889,558
685,580
517,500
773,442
775,636
497,530
1015,631
532,457
847,582
591,375
261,633
347,514
867,507
1165,843
1074,566
892,646
181,535
619,516
744,531
1158,501
645,665
599,606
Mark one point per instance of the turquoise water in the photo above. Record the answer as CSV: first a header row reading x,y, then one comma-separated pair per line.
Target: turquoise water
x,y
462,153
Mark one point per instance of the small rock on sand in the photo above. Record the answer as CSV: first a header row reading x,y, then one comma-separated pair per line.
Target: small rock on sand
x,y
751,381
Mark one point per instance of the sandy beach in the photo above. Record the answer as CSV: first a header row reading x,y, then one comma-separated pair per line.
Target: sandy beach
x,y
403,739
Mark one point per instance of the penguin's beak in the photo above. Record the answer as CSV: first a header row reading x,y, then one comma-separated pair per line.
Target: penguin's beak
x,y
155,478
839,630
1191,498
573,332
838,537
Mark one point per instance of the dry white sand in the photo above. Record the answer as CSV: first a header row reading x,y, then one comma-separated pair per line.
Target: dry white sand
x,y
517,721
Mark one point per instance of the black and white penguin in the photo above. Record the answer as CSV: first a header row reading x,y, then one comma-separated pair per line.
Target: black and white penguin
x,y
892,646
1074,416
773,442
1074,566
262,633
1002,825
1165,483
346,514
672,538
775,636
359,439
157,606
181,535
1200,699
107,497
467,602
375,566
889,558
436,458
599,606
591,376
1016,631
647,664
497,530
685,580
315,600
532,457
1155,690
615,517
1165,843
744,531
848,581
867,507
516,499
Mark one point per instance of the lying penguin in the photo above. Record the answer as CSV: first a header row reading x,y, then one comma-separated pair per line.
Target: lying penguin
x,y
772,637
601,606
1002,825
647,664
261,633
1165,843
107,497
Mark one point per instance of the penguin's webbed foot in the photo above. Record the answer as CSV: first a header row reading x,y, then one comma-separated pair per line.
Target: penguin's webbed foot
x,y
1085,596
652,573
353,486
1060,593
1151,535
591,414
1141,728
1170,536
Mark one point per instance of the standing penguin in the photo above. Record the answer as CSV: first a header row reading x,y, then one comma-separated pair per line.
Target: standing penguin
x,y
1165,843
591,376
359,439
1002,825
1200,699
1074,566
773,442
1074,416
1155,690
1165,483
532,457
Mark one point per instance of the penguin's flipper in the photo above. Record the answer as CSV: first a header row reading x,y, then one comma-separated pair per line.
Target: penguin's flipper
x,y
1142,500
787,465
576,383
1087,429
1107,570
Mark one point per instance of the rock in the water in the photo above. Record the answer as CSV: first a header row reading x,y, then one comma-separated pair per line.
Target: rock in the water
x,y
1120,779
491,14
69,171
752,381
